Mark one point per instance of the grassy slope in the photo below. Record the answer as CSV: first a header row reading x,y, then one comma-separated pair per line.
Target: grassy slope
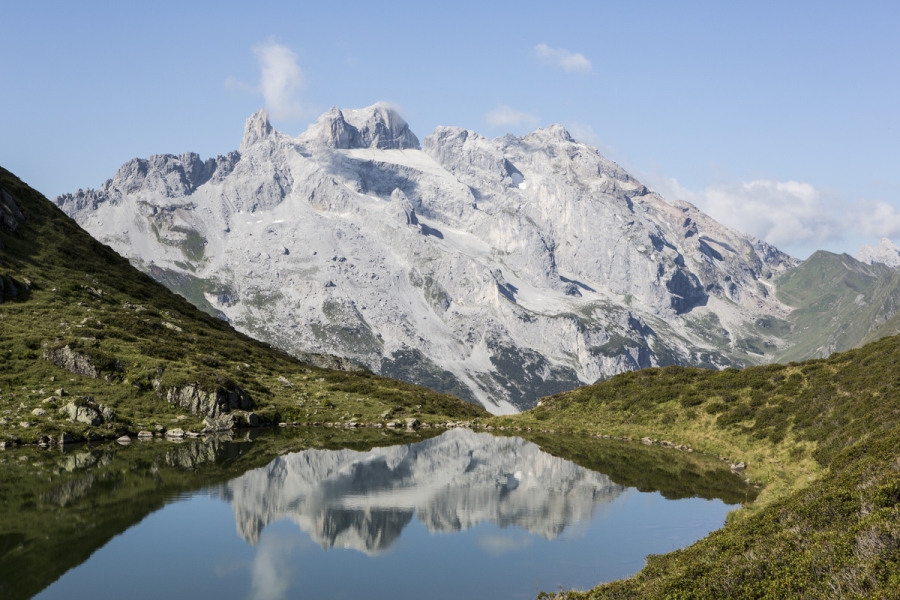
x,y
824,438
84,294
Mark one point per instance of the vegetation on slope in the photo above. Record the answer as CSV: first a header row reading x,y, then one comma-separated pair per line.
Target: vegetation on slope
x,y
823,437
62,288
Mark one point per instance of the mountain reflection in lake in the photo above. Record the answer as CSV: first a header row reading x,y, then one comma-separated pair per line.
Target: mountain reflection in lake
x,y
363,500
463,514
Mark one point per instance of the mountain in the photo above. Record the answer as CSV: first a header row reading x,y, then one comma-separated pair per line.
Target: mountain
x,y
837,304
93,348
497,270
886,253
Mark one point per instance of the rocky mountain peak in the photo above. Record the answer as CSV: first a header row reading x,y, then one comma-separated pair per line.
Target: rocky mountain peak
x,y
378,126
886,252
256,129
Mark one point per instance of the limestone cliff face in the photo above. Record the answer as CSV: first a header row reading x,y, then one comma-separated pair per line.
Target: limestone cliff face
x,y
498,270
363,500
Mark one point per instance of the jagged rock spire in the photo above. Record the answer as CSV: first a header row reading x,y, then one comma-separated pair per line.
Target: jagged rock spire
x,y
256,129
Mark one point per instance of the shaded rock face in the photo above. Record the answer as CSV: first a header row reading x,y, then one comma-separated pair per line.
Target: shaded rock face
x,y
8,288
496,270
209,404
364,500
10,214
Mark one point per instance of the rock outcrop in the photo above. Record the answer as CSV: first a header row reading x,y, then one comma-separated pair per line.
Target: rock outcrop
x,y
213,404
78,362
88,412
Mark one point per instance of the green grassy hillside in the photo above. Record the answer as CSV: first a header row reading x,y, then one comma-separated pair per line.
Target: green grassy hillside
x,y
132,341
821,437
838,304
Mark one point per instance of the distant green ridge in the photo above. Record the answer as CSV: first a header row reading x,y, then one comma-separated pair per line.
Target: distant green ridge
x,y
63,294
838,303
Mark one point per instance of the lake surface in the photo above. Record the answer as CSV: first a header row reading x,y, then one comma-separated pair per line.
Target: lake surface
x,y
459,515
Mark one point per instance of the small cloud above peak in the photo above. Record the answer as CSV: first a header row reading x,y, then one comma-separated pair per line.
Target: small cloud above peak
x,y
280,81
571,62
506,116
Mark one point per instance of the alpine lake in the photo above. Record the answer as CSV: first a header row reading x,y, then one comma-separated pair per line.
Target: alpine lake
x,y
332,513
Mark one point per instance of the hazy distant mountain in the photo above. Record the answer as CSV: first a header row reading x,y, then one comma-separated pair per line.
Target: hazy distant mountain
x,y
498,270
886,252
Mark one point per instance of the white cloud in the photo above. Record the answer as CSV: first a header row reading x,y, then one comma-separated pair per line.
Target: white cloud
x,y
272,571
498,545
570,62
788,213
280,81
781,213
505,116
880,220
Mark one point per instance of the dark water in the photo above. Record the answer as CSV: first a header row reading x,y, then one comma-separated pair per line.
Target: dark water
x,y
461,515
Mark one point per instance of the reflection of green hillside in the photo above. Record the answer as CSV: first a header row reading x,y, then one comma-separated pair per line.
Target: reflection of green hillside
x,y
673,474
56,509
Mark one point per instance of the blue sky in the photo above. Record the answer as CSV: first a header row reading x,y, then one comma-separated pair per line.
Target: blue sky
x,y
780,119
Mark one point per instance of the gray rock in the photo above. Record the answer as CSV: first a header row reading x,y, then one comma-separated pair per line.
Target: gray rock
x,y
124,440
221,423
87,414
107,413
39,412
176,433
412,423
76,362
